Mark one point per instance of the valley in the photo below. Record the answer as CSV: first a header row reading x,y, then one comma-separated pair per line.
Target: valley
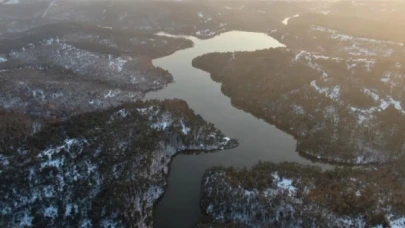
x,y
201,114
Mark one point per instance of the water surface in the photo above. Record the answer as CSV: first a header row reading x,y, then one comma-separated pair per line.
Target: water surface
x,y
259,140
285,21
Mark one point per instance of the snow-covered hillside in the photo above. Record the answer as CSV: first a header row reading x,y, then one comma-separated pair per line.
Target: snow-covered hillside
x,y
100,169
290,195
63,69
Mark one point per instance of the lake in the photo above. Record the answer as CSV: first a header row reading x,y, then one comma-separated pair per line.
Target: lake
x,y
259,141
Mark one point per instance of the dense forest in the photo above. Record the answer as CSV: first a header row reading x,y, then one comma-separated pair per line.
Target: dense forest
x,y
76,150
62,69
96,39
203,19
353,25
342,36
99,168
339,110
338,89
292,195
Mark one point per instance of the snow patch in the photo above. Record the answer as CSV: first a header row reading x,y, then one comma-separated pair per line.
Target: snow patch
x,y
108,224
67,145
68,210
331,92
51,212
184,129
359,45
386,77
373,95
47,9
85,223
117,63
398,222
205,32
298,109
26,220
367,63
285,183
164,122
119,115
112,93
285,21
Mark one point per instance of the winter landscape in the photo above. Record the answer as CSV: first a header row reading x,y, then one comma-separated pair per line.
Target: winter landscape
x,y
202,113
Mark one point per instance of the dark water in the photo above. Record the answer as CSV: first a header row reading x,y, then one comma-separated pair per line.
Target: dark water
x,y
179,206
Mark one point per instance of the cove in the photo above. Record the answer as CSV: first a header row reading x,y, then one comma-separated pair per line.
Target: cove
x,y
259,141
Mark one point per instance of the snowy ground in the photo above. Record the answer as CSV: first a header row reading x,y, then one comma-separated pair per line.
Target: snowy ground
x,y
67,172
261,197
